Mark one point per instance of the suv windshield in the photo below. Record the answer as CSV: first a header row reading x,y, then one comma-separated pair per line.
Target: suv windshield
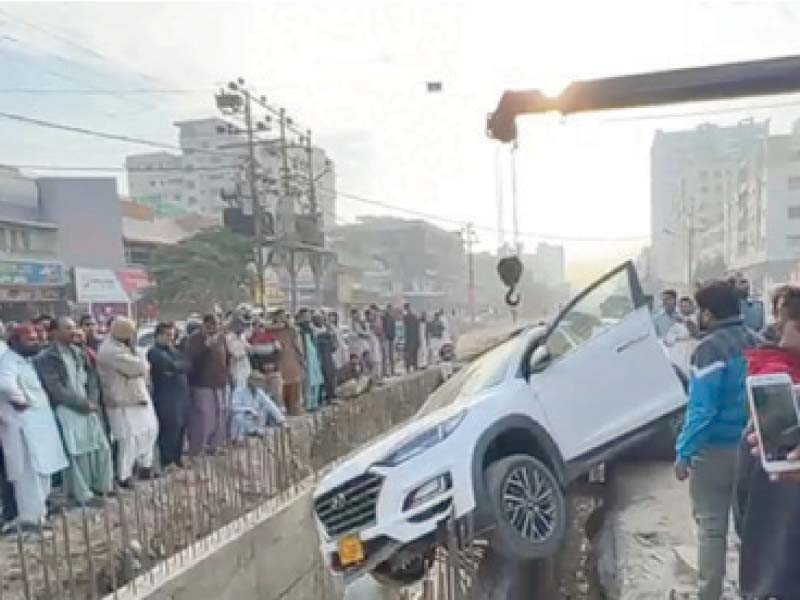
x,y
485,372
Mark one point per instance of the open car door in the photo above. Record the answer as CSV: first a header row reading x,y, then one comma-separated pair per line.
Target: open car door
x,y
602,373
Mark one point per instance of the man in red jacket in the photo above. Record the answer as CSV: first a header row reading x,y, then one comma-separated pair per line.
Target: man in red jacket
x,y
767,512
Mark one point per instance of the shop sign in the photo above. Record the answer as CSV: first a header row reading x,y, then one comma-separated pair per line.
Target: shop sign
x,y
31,273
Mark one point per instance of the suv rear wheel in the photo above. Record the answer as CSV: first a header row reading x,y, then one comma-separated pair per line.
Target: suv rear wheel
x,y
528,506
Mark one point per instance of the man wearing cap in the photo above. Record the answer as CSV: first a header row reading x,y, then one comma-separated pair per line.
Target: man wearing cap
x,y
252,409
123,375
73,387
28,432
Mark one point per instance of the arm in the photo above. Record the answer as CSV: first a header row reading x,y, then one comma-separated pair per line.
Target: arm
x,y
705,385
57,390
161,361
124,361
9,387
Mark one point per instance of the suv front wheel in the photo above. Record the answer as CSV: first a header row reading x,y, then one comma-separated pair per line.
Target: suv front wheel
x,y
528,506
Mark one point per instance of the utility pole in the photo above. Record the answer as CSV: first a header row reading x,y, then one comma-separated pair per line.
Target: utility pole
x,y
286,212
232,102
312,188
469,240
258,219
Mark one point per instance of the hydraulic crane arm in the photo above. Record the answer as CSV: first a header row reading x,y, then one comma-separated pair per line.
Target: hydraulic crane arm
x,y
716,82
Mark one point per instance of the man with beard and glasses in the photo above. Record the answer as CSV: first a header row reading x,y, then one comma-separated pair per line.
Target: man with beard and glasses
x,y
31,442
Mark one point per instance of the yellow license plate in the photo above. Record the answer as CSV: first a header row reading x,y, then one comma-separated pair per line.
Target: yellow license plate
x,y
351,550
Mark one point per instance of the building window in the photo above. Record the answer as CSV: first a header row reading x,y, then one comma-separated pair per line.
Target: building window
x,y
793,182
4,239
793,212
189,184
192,200
25,240
152,184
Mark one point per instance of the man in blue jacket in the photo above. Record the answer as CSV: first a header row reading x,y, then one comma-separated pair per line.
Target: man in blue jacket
x,y
715,419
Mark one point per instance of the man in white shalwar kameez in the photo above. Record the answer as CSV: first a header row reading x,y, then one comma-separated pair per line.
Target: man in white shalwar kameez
x,y
123,375
28,431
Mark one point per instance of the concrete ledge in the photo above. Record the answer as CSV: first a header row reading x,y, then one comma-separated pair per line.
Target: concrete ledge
x,y
272,553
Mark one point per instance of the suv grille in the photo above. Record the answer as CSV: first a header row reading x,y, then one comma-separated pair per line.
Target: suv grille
x,y
350,506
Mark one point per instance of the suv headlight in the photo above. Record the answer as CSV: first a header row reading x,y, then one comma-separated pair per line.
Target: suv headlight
x,y
422,441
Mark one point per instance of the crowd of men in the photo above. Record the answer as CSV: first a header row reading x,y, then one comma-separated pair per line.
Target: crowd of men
x,y
95,413
717,447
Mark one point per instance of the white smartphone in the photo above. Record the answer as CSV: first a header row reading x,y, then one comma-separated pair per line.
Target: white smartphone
x,y
777,419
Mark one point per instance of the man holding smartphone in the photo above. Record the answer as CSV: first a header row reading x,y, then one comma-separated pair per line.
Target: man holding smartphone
x,y
767,507
716,416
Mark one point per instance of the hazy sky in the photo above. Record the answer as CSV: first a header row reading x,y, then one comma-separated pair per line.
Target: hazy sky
x,y
355,71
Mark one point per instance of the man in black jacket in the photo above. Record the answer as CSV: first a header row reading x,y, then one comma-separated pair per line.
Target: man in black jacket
x,y
168,368
411,340
389,336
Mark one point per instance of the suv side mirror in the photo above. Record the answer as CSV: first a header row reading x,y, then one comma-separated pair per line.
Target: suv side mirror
x,y
540,358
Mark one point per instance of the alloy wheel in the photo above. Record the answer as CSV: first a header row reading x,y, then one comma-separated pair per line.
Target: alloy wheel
x,y
529,503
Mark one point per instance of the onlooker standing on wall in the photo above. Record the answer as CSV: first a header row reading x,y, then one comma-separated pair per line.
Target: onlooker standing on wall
x,y
668,316
436,328
168,372
32,449
312,380
238,352
88,324
389,337
132,420
752,310
411,341
424,341
342,354
291,364
73,386
326,346
715,419
208,379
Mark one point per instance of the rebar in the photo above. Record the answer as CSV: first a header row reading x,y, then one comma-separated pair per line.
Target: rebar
x,y
45,570
112,550
87,541
23,564
68,554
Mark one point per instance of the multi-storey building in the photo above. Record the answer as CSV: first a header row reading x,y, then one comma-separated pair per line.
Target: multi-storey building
x,y
696,176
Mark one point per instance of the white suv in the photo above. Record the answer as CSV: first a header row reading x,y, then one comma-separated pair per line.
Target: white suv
x,y
499,442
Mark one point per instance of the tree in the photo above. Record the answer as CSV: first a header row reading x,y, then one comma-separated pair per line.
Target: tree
x,y
209,268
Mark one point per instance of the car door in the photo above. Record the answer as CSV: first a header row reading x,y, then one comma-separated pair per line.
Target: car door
x,y
606,374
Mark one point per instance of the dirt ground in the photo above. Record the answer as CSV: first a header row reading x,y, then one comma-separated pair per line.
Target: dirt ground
x,y
647,548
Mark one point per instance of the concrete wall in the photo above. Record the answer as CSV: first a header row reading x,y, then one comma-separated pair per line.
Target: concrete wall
x,y
278,557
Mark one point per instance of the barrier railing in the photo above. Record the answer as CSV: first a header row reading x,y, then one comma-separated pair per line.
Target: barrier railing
x,y
90,553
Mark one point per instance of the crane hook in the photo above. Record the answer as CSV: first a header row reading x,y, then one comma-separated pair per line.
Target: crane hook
x,y
510,270
512,297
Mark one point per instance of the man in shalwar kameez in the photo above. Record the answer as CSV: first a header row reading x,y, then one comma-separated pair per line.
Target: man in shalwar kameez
x,y
28,432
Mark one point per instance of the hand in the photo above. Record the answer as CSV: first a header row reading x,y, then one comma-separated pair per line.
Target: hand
x,y
794,455
681,470
86,408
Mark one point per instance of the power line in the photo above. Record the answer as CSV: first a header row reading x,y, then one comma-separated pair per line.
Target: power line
x,y
104,92
463,223
354,197
350,196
